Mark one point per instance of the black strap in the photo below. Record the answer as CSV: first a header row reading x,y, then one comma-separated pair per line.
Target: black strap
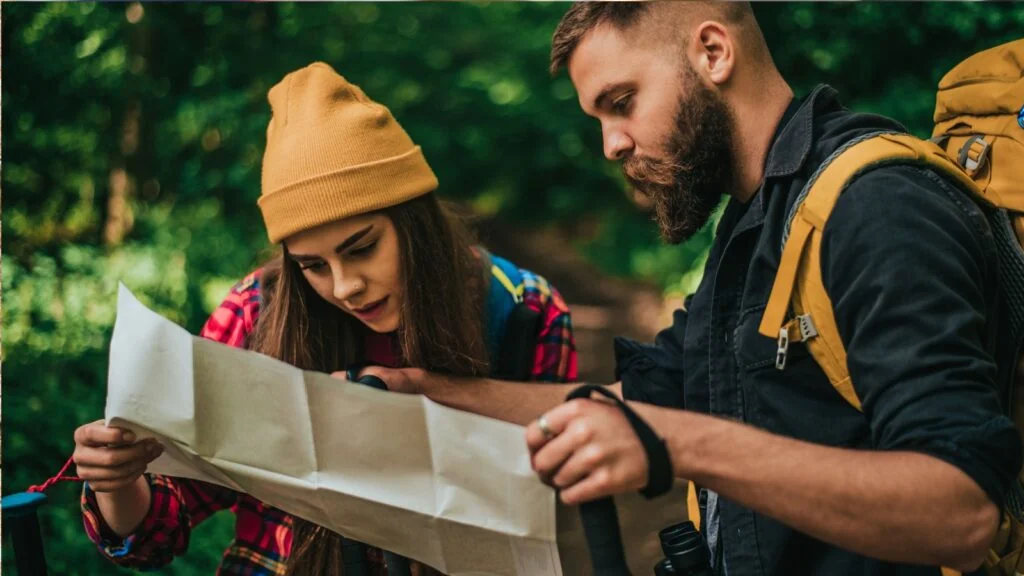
x,y
518,345
659,465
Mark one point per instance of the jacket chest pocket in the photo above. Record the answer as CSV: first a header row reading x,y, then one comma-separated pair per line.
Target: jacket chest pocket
x,y
757,353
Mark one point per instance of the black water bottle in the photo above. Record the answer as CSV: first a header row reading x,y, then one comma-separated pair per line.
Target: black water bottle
x,y
686,554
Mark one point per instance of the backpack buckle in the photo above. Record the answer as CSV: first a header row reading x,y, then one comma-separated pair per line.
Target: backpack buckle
x,y
807,328
973,154
783,348
804,330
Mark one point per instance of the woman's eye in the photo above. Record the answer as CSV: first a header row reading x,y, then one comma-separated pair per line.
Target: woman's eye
x,y
314,267
363,250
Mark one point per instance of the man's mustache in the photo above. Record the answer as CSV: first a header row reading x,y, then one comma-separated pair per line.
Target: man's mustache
x,y
644,173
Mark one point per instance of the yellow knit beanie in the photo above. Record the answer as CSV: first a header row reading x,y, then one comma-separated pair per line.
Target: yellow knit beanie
x,y
333,153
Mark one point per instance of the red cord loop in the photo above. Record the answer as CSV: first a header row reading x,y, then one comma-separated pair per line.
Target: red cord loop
x,y
59,477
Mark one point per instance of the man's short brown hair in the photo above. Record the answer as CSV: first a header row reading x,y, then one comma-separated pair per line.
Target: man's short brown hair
x,y
583,17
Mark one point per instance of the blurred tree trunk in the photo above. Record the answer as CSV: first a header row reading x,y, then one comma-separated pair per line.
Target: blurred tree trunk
x,y
129,164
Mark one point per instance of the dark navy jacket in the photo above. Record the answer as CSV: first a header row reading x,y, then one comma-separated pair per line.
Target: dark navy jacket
x,y
909,263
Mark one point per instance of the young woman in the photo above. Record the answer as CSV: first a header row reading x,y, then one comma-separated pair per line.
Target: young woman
x,y
372,270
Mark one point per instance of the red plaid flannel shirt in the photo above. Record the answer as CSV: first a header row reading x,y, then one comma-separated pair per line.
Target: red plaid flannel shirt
x,y
263,534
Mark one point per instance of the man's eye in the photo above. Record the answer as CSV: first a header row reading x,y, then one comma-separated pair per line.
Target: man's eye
x,y
621,106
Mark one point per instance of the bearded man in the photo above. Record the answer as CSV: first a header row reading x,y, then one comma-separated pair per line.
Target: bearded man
x,y
793,479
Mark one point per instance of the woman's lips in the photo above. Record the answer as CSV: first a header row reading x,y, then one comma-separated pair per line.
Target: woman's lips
x,y
371,312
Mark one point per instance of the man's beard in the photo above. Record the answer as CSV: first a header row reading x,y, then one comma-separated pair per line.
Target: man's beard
x,y
688,184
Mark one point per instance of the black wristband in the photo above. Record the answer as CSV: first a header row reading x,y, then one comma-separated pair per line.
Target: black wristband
x,y
659,465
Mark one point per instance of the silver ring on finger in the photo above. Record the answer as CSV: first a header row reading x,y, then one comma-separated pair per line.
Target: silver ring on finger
x,y
545,429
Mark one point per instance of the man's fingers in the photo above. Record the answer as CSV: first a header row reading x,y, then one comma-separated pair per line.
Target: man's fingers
x,y
97,434
535,439
556,420
537,435
594,486
554,454
582,462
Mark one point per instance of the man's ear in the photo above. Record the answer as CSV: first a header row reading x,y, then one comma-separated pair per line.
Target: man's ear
x,y
713,52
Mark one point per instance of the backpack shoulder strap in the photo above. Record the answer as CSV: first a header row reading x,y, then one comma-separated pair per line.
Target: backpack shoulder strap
x,y
512,326
501,299
798,282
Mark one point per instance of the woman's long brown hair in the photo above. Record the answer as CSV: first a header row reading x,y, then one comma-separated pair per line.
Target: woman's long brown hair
x,y
441,329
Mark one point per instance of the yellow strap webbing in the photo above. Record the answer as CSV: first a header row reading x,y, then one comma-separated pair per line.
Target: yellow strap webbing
x,y
785,278
692,505
515,291
799,282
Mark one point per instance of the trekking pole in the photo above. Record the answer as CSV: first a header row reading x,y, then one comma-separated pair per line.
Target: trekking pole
x,y
21,520
397,565
20,515
601,525
604,538
600,521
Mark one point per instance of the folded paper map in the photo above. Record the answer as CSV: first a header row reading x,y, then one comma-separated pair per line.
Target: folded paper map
x,y
448,488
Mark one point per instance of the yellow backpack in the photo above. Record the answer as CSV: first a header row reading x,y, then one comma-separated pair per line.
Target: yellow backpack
x,y
978,141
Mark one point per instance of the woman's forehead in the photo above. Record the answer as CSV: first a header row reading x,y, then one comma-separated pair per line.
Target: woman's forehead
x,y
326,237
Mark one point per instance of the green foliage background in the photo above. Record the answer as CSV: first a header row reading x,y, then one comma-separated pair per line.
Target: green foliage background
x,y
132,139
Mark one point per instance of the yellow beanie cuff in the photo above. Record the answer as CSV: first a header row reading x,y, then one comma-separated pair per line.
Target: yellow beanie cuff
x,y
347,192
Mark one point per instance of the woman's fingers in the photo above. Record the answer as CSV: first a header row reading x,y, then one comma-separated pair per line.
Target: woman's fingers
x,y
98,434
130,471
116,457
114,485
115,468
